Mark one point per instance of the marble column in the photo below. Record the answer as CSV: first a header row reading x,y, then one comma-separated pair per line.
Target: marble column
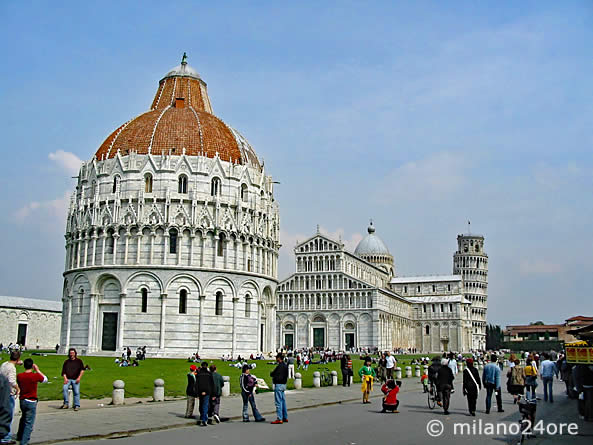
x,y
94,237
163,321
92,327
115,238
121,321
234,326
68,302
201,321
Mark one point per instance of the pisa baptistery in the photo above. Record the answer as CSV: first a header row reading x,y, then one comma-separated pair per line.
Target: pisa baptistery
x,y
172,235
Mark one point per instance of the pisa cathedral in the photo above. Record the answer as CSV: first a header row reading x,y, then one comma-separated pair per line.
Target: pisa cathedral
x,y
342,300
172,240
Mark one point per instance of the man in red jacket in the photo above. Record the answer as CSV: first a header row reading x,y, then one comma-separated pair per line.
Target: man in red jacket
x,y
390,402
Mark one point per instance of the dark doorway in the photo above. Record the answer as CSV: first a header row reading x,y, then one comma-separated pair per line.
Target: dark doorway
x,y
289,340
21,337
349,340
109,340
319,337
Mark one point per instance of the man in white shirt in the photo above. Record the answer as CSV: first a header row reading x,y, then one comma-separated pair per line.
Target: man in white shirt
x,y
8,370
390,363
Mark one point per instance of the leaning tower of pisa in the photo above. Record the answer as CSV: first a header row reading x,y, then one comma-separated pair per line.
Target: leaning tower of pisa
x,y
471,262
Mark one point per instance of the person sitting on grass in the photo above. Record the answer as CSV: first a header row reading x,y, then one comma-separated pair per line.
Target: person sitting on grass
x,y
390,402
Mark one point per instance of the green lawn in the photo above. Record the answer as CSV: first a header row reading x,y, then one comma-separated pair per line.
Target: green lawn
x,y
97,383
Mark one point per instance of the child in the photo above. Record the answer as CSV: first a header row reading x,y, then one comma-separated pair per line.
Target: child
x,y
424,381
390,402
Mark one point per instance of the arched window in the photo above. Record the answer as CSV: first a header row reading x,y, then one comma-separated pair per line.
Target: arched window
x,y
427,329
183,301
349,325
144,293
116,181
173,241
110,242
218,310
182,184
244,193
80,300
215,187
318,319
247,306
148,183
220,247
289,327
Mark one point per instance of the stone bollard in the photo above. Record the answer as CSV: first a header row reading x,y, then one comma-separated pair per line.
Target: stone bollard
x,y
159,391
418,374
226,389
350,379
481,366
316,379
70,397
425,368
334,378
118,392
506,363
408,371
298,381
460,367
398,373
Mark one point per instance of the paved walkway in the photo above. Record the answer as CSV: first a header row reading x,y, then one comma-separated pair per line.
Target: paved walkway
x,y
96,419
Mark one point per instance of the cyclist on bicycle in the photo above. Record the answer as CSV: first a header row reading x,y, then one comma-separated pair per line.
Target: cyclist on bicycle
x,y
432,374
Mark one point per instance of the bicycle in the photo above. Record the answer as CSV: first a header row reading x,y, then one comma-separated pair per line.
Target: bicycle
x,y
527,408
432,396
325,377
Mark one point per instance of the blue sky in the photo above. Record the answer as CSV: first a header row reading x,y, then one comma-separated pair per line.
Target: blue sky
x,y
421,116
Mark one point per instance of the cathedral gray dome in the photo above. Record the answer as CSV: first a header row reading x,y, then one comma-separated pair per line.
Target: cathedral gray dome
x,y
371,244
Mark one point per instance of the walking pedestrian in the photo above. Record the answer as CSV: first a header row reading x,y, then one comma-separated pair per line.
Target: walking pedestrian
x,y
28,382
516,380
290,362
530,379
491,379
367,374
214,410
548,370
279,378
72,371
382,368
8,370
204,390
471,385
248,383
444,381
190,392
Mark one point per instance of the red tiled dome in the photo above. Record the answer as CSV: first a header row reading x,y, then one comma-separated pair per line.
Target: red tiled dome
x,y
180,118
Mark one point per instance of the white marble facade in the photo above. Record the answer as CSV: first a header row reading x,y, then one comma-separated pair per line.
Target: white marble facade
x,y
339,300
170,250
30,322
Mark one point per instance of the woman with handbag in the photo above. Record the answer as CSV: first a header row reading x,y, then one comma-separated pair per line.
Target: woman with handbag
x,y
471,385
516,380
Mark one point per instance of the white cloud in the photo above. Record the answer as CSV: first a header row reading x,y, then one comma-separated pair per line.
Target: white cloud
x,y
434,177
69,161
539,267
54,208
